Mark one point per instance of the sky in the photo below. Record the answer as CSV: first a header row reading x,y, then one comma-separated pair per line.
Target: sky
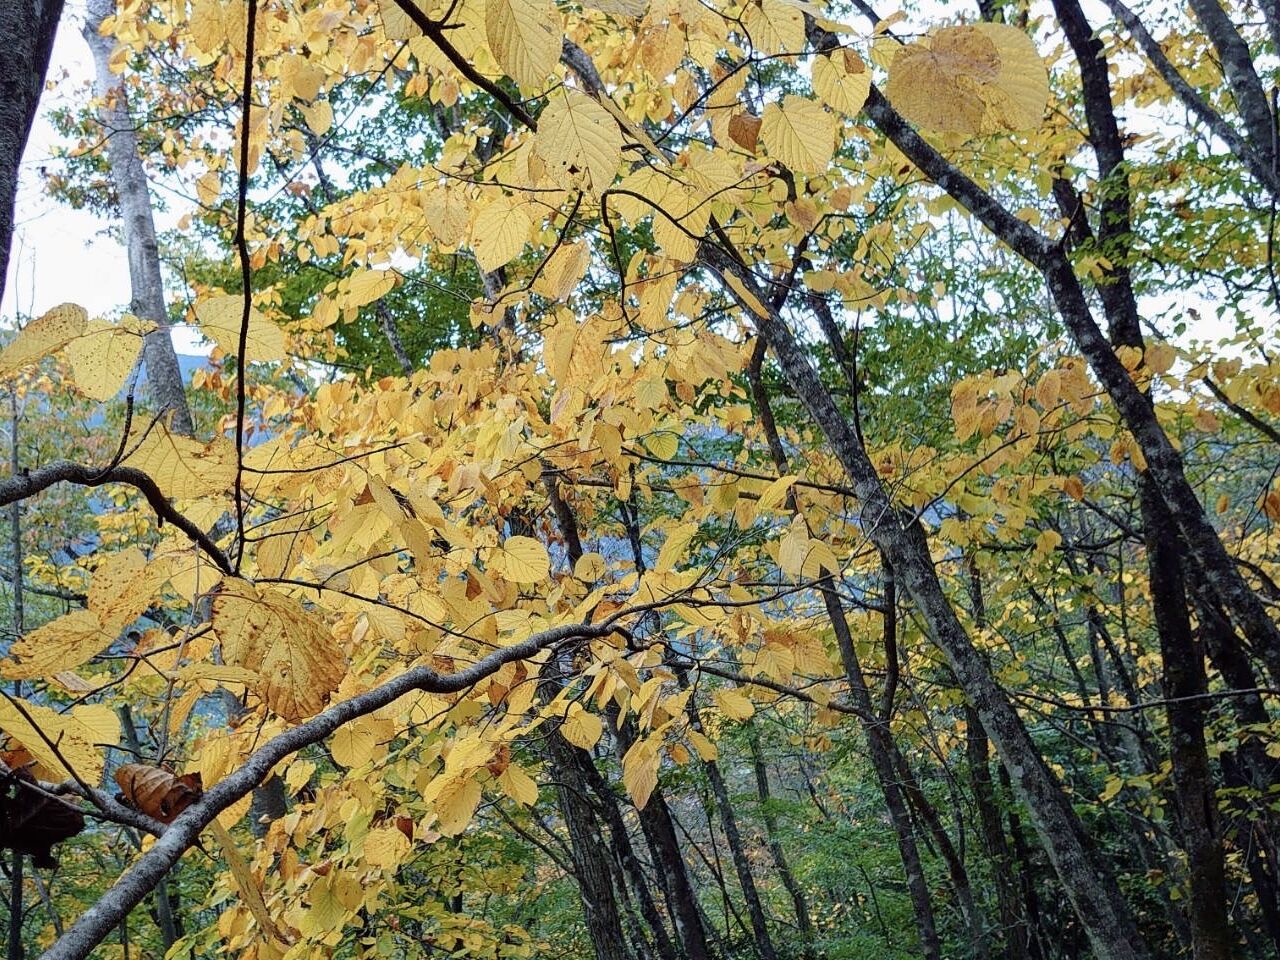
x,y
61,255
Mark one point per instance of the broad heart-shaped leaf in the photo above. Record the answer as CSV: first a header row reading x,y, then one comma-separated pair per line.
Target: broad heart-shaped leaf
x,y
978,78
799,133
499,233
184,468
51,331
580,142
842,80
104,355
521,560
396,24
220,319
297,662
524,36
58,742
581,728
59,645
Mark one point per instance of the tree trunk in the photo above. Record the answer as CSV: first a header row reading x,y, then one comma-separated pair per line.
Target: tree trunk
x,y
590,860
741,865
803,921
1092,890
27,29
164,377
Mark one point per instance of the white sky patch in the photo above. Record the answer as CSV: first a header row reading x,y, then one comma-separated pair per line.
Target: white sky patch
x,y
61,255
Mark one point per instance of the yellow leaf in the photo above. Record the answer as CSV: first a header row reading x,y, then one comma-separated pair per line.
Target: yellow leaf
x,y
579,141
977,78
500,232
386,847
663,444
590,567
706,749
244,879
220,318
104,355
775,492
676,547
59,645
42,336
521,560
745,294
581,728
123,586
774,26
562,271
366,286
620,8
101,724
799,134
396,23
518,785
57,741
842,80
734,704
352,744
456,804
184,468
319,116
208,187
794,548
524,36
640,772
297,661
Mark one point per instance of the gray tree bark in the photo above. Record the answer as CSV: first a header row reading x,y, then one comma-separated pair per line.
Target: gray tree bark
x,y
27,29
164,377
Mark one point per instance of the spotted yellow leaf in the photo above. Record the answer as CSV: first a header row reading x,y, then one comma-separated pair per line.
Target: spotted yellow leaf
x,y
184,468
297,661
59,645
103,356
51,331
977,78
220,318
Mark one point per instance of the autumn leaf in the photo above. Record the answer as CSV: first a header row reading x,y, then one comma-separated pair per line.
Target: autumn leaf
x,y
184,468
799,134
976,78
61,644
579,141
104,355
640,772
297,663
50,332
581,728
524,36
58,742
521,560
220,319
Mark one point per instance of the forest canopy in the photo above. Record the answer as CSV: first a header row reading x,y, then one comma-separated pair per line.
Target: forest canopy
x,y
668,480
